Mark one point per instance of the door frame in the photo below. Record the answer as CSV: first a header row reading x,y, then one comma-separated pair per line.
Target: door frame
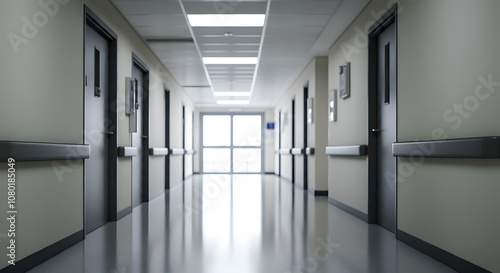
x,y
184,142
279,141
93,21
136,61
167,136
386,20
293,138
304,130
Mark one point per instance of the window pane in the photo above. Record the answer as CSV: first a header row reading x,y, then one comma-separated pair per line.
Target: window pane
x,y
246,160
247,130
216,130
217,160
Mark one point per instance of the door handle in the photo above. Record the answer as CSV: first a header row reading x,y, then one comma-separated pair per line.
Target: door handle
x,y
109,133
144,137
376,130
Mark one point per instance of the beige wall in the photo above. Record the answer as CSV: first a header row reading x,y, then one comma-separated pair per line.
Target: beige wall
x,y
45,78
348,176
316,74
128,42
318,134
285,106
444,61
41,100
177,100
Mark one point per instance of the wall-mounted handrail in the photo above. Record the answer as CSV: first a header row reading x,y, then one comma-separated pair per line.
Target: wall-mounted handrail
x,y
41,151
474,147
349,150
284,151
309,151
124,151
297,151
158,151
190,152
177,151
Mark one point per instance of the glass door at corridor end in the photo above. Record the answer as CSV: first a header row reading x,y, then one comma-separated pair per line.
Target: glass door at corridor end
x,y
232,143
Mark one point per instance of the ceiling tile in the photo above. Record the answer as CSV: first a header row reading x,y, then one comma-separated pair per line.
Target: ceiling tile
x,y
129,7
296,31
225,7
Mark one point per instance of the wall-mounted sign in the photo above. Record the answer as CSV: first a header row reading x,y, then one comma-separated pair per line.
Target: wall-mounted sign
x,y
310,110
345,80
332,105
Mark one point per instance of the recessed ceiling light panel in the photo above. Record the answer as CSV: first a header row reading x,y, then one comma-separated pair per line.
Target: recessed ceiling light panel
x,y
232,94
230,60
226,20
233,102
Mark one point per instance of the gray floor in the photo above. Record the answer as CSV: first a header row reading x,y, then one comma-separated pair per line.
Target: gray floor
x,y
240,224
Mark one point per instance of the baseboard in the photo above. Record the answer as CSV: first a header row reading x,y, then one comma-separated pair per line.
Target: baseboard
x,y
285,179
175,186
43,255
318,193
156,195
354,212
124,212
270,173
439,254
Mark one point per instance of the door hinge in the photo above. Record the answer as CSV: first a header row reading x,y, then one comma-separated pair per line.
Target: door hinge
x,y
86,80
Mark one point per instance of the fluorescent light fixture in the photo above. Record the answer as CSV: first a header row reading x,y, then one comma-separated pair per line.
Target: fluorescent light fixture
x,y
232,94
233,102
226,20
230,60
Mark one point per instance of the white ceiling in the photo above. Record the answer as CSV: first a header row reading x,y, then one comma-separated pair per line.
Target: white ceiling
x,y
295,32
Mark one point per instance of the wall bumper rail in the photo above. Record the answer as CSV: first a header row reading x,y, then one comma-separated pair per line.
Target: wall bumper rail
x,y
41,151
190,152
285,151
177,151
309,151
158,151
297,151
350,150
127,151
475,147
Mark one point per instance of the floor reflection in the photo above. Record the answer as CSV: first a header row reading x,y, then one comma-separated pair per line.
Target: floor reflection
x,y
244,224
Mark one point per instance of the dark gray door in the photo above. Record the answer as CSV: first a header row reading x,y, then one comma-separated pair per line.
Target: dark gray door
x,y
305,125
167,138
184,142
279,141
96,101
386,90
293,141
137,140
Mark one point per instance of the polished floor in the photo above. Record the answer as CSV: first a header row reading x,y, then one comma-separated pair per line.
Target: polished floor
x,y
240,224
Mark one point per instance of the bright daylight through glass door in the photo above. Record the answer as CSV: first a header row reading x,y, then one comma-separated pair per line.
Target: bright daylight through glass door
x,y
232,143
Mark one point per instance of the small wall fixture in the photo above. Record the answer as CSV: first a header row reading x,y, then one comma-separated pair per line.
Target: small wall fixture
x,y
345,80
310,110
332,105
